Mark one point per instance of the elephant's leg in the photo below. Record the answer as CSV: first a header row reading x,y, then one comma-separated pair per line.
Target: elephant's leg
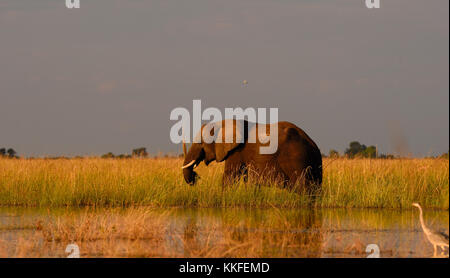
x,y
244,172
232,173
266,172
295,176
302,177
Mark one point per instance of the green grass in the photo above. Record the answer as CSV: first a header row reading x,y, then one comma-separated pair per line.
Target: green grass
x,y
357,183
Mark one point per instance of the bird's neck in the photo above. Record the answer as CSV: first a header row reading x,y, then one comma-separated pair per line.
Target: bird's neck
x,y
421,220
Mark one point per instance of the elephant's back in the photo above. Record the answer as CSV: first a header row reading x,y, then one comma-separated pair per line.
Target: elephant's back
x,y
284,130
287,127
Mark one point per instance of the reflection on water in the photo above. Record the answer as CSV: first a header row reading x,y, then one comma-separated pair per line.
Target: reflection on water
x,y
221,232
191,229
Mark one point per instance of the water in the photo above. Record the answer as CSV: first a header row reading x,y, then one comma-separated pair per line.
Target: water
x,y
181,232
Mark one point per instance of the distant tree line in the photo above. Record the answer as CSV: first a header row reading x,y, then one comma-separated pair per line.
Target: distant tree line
x,y
8,153
444,155
355,150
135,153
358,150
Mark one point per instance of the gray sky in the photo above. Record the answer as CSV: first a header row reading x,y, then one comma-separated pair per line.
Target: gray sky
x,y
105,77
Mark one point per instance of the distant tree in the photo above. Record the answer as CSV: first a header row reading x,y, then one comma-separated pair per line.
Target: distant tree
x,y
123,156
333,153
370,152
386,156
355,149
11,153
444,155
2,152
108,155
139,152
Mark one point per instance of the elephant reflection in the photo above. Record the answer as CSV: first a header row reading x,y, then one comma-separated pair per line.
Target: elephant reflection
x,y
192,234
275,233
253,233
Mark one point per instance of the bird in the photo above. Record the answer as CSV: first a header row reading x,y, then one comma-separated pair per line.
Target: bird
x,y
436,238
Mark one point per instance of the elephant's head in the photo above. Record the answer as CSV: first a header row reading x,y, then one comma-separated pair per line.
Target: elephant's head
x,y
213,148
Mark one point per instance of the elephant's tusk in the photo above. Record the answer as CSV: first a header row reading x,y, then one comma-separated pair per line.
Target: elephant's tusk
x,y
188,165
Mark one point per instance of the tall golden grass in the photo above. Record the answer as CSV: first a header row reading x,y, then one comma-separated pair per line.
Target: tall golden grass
x,y
347,183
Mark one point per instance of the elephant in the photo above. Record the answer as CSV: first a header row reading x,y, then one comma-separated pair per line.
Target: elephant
x,y
296,161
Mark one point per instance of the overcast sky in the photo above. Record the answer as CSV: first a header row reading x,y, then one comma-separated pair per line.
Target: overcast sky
x,y
106,77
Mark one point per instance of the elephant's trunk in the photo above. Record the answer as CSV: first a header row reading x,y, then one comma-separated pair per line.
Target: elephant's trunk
x,y
190,175
191,160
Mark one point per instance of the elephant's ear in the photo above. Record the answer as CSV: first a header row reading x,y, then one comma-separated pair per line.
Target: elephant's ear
x,y
230,135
